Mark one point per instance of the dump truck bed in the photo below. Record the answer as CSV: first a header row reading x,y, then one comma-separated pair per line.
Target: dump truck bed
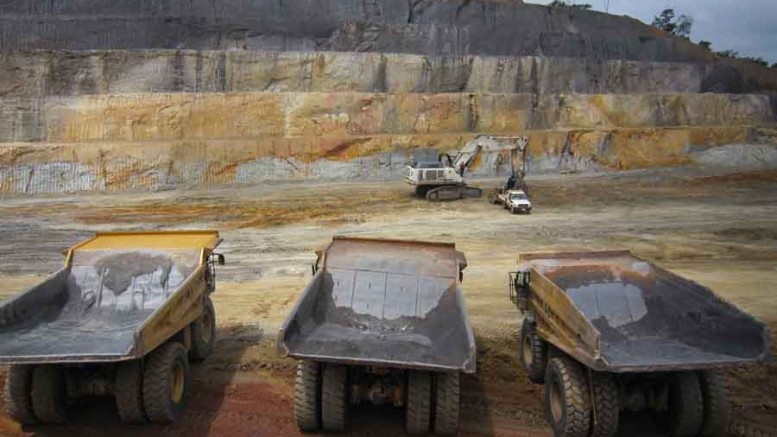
x,y
111,301
631,315
383,302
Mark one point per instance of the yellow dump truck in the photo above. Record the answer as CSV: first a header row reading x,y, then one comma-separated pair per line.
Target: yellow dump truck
x,y
123,317
607,332
382,322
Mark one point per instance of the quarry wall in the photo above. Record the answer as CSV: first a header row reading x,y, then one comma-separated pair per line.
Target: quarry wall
x,y
151,140
98,95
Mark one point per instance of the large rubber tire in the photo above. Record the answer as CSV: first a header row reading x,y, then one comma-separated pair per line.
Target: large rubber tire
x,y
567,402
334,398
129,392
717,403
606,405
446,408
533,353
18,394
418,410
686,408
166,383
203,333
307,396
49,394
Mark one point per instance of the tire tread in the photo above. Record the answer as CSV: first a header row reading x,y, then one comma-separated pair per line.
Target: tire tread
x,y
446,409
419,399
716,403
129,392
334,398
201,350
18,394
156,380
686,408
538,368
606,405
307,396
49,394
576,418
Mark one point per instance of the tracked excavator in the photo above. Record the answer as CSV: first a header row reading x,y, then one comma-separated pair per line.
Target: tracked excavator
x,y
444,179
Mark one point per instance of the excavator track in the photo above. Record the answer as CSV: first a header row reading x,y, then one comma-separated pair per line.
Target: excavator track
x,y
453,192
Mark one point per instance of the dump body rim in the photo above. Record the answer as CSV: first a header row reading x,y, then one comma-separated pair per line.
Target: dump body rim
x,y
284,346
593,359
383,363
194,285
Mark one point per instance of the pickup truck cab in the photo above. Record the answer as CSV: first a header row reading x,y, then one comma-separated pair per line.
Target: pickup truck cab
x,y
517,202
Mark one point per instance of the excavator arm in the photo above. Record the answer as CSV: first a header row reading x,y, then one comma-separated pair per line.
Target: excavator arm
x,y
470,151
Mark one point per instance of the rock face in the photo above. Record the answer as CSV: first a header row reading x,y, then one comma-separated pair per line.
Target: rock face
x,y
115,72
429,27
99,95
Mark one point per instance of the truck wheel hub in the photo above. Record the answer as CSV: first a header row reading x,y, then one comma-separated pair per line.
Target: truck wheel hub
x,y
527,352
176,388
207,327
556,405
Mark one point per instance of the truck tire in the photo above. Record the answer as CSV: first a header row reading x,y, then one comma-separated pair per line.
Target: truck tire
x,y
129,392
334,398
446,409
166,383
49,394
419,399
533,353
567,402
716,401
606,405
686,408
203,333
18,394
307,396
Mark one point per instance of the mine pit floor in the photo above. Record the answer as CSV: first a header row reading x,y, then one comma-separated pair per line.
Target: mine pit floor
x,y
719,230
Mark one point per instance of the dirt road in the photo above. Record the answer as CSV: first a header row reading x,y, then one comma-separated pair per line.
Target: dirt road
x,y
718,230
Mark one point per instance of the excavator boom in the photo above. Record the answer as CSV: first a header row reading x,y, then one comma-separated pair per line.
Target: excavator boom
x,y
470,151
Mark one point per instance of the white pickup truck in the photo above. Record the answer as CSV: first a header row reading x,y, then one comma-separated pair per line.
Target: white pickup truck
x,y
516,201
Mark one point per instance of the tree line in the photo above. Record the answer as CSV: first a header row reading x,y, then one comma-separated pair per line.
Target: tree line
x,y
678,25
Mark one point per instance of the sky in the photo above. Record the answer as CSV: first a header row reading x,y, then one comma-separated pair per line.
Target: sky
x,y
746,26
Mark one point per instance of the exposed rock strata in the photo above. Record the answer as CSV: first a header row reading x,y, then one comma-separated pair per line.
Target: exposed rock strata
x,y
106,95
115,72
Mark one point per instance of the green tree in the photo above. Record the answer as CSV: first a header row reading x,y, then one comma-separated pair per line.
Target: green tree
x,y
706,44
757,60
563,4
679,26
728,54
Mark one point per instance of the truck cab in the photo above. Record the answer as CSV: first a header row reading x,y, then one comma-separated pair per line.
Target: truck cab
x,y
517,202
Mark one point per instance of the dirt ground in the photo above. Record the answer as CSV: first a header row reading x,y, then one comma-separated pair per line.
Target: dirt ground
x,y
720,230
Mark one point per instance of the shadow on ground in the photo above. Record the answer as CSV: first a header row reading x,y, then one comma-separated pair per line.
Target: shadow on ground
x,y
93,416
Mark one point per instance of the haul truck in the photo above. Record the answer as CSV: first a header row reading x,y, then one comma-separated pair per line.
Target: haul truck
x,y
382,321
123,317
607,331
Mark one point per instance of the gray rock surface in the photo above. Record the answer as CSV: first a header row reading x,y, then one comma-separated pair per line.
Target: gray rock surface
x,y
429,27
146,71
